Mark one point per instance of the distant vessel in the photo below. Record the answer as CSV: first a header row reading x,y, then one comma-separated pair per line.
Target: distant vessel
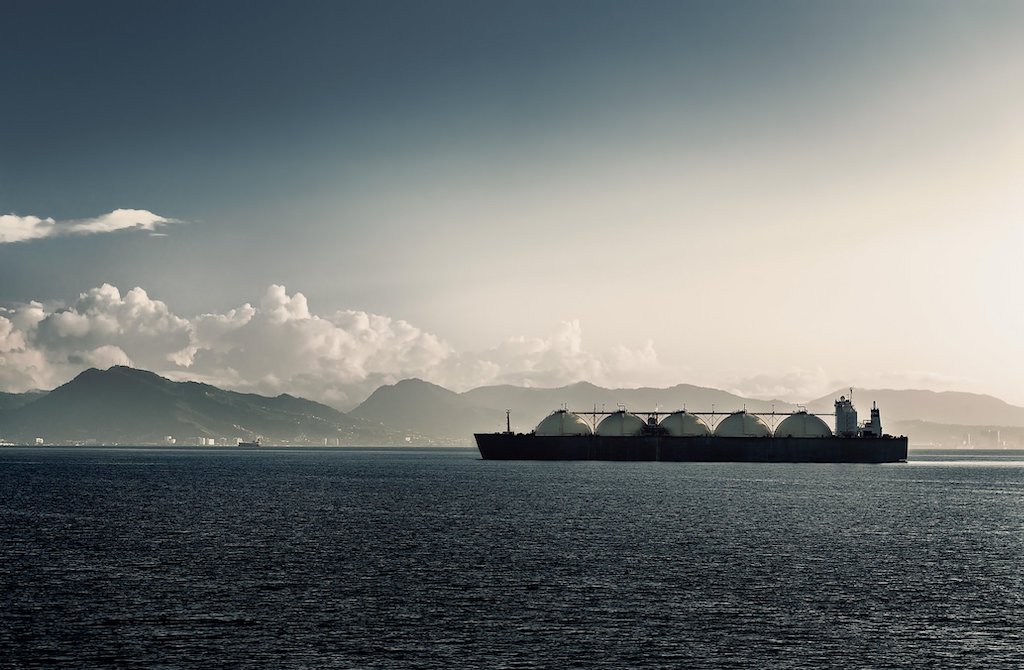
x,y
800,437
254,443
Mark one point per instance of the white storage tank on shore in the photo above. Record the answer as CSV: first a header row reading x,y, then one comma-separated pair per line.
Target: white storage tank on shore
x,y
621,424
802,424
741,424
684,424
562,422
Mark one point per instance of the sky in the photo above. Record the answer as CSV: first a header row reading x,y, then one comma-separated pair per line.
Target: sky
x,y
779,199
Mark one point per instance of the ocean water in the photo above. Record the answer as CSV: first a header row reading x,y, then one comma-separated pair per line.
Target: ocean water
x,y
406,558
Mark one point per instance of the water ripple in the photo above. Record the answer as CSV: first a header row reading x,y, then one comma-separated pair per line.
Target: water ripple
x,y
435,559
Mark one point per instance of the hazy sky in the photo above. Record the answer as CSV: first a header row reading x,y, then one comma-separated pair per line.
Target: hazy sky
x,y
778,198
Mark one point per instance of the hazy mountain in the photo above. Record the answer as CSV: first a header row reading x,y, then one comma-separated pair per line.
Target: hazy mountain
x,y
125,405
949,407
15,400
926,433
416,405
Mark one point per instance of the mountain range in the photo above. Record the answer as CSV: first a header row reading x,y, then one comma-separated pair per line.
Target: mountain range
x,y
432,409
123,405
949,407
128,406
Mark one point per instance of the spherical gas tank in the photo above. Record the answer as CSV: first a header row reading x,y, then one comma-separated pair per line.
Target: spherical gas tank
x,y
621,424
802,424
741,424
562,422
684,424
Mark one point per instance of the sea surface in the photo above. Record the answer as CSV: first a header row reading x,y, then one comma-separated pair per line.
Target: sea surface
x,y
433,558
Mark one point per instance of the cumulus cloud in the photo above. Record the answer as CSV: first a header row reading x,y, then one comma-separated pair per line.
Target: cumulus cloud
x,y
550,361
279,345
10,339
102,326
22,366
14,228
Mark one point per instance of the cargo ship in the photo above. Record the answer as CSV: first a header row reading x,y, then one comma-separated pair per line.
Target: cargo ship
x,y
798,437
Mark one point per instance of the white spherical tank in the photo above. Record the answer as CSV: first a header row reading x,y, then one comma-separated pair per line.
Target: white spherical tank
x,y
741,424
562,422
802,424
621,424
684,424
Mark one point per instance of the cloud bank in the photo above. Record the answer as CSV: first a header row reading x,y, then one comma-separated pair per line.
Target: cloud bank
x,y
279,345
14,228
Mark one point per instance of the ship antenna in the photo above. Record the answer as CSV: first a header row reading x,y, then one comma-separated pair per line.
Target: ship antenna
x,y
508,421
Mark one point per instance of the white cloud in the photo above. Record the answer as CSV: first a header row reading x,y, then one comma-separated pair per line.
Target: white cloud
x,y
282,346
14,228
22,367
10,339
552,361
144,331
104,357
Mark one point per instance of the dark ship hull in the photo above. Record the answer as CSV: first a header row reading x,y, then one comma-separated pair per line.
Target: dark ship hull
x,y
510,446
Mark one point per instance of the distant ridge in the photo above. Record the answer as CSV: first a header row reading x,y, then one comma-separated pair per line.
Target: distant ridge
x,y
416,405
942,407
129,406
